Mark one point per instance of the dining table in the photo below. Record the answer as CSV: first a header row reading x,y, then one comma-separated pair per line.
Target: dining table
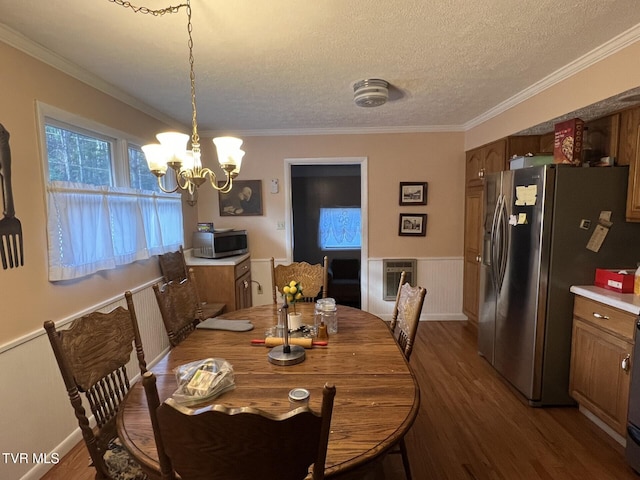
x,y
377,395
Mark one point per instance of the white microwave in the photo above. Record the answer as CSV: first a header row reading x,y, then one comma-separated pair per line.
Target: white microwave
x,y
220,244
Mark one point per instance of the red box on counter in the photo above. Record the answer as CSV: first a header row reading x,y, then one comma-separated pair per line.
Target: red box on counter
x,y
567,142
615,280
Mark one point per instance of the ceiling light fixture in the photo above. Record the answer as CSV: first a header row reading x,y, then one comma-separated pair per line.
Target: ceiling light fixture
x,y
371,92
172,151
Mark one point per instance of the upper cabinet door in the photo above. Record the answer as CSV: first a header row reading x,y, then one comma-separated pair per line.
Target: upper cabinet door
x,y
487,159
495,156
473,167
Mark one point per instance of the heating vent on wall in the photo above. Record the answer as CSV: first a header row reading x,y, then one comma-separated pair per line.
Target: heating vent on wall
x,y
391,271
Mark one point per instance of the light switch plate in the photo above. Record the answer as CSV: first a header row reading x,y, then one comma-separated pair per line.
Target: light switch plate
x,y
274,185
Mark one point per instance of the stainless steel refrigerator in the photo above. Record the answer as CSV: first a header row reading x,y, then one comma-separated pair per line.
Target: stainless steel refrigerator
x,y
538,240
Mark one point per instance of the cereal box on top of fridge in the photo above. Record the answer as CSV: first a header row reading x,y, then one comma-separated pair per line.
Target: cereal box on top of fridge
x,y
567,141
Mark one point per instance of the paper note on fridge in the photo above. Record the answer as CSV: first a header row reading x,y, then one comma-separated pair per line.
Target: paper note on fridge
x,y
526,195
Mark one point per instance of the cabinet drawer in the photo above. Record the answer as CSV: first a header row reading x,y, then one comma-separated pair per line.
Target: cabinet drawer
x,y
242,268
612,320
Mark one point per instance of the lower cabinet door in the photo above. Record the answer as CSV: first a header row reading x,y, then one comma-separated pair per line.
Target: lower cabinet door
x,y
600,374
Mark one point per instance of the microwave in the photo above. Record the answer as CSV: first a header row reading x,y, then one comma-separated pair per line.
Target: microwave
x,y
220,244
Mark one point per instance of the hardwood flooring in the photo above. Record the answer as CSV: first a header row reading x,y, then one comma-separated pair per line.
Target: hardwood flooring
x,y
472,426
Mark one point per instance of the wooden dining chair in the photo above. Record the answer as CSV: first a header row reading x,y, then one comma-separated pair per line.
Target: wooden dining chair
x,y
92,355
173,267
313,278
404,326
180,308
220,443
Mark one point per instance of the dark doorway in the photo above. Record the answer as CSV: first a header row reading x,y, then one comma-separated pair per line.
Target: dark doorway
x,y
326,207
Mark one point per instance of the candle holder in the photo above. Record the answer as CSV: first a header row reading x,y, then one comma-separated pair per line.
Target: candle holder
x,y
286,354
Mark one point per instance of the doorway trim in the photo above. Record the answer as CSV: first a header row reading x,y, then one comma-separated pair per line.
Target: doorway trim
x,y
364,209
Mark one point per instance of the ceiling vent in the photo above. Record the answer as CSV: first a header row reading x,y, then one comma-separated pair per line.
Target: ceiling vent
x,y
371,92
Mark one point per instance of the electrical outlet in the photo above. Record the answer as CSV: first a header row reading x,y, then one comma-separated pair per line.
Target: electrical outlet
x,y
259,289
280,226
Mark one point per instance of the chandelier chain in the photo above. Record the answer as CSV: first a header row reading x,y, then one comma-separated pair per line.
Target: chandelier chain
x,y
195,138
189,179
147,10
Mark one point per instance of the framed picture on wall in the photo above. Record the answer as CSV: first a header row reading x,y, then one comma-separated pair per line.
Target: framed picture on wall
x,y
412,224
413,193
244,199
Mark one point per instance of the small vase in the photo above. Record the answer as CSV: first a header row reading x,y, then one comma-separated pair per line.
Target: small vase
x,y
295,321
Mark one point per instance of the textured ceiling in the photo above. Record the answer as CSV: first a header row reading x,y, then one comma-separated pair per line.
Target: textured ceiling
x,y
289,65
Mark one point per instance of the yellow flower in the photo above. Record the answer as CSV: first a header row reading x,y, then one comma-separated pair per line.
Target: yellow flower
x,y
292,292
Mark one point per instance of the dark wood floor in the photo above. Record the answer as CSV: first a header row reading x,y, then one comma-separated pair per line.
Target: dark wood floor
x,y
472,426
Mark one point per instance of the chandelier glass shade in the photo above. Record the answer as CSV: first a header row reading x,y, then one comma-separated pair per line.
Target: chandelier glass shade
x,y
171,152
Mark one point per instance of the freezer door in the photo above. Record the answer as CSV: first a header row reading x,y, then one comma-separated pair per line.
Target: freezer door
x,y
519,329
487,301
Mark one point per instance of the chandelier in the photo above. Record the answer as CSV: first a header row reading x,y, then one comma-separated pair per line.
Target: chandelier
x,y
172,150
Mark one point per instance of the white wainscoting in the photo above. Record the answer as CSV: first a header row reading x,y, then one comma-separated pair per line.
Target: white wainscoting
x,y
37,417
442,277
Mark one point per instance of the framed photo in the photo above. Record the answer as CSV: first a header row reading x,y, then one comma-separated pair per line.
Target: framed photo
x,y
413,193
244,199
412,224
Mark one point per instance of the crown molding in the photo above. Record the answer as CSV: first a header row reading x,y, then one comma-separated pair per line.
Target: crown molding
x,y
337,131
43,54
594,56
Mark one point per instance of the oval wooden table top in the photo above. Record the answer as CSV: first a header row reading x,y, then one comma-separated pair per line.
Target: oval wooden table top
x,y
377,396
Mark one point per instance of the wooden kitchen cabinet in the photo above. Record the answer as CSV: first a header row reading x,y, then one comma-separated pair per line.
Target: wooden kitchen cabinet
x,y
473,218
486,159
225,283
601,348
629,154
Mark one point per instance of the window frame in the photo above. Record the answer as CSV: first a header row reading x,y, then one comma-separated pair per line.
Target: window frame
x,y
120,186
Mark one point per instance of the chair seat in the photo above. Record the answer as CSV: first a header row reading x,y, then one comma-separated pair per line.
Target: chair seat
x,y
121,465
210,310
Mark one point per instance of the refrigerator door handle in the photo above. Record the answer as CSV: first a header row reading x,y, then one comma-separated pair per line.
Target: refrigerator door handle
x,y
504,226
498,260
493,257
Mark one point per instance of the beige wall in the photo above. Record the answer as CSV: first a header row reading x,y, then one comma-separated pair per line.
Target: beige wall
x,y
613,75
27,298
436,158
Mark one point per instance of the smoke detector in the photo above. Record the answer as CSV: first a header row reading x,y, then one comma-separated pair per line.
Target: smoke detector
x,y
371,92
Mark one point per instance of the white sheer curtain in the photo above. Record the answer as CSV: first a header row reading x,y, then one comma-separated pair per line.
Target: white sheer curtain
x,y
340,227
94,228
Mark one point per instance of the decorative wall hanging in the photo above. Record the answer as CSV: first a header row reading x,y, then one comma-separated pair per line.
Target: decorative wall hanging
x,y
412,224
244,199
413,193
11,250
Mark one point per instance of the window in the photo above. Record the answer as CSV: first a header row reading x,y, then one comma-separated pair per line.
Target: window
x,y
104,207
76,157
339,228
140,176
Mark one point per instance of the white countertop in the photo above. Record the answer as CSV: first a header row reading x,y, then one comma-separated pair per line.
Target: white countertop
x,y
624,301
226,261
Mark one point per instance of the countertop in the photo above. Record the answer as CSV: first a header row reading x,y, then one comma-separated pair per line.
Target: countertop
x,y
627,302
226,261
